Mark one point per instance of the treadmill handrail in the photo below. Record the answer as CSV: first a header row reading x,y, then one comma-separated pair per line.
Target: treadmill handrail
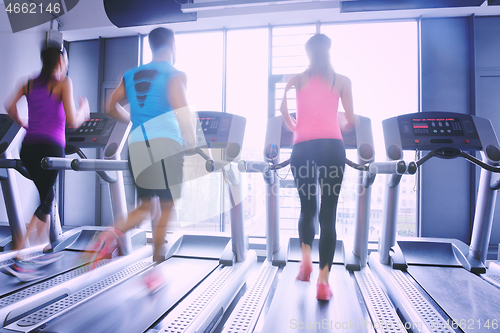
x,y
14,164
56,163
252,166
98,165
454,153
61,163
388,167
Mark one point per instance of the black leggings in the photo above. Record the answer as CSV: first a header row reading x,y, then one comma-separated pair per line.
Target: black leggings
x,y
31,156
318,165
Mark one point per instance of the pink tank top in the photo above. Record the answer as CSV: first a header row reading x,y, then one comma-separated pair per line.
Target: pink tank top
x,y
317,107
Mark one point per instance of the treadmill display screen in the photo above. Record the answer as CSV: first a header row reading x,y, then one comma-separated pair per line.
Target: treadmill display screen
x,y
437,127
93,126
210,125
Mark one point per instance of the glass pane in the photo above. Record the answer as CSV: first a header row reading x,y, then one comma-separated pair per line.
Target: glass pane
x,y
381,59
204,93
246,93
199,55
289,55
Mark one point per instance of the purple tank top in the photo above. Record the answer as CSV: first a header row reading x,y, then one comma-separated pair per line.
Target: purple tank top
x,y
46,117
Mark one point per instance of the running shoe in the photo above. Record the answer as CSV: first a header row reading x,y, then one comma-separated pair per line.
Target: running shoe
x,y
104,246
47,258
23,270
305,272
323,292
154,280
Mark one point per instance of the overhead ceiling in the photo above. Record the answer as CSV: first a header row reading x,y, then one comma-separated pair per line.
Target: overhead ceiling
x,y
380,5
89,20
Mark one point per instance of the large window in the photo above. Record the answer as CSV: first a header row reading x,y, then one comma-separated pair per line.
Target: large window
x,y
200,56
247,80
381,59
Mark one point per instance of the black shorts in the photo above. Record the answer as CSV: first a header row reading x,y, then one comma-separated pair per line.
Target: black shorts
x,y
160,163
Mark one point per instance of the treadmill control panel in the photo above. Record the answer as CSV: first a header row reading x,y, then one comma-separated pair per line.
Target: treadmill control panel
x,y
432,130
94,132
436,126
90,127
210,125
220,129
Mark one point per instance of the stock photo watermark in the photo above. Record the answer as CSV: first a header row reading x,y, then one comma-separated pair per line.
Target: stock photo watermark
x,y
26,14
330,325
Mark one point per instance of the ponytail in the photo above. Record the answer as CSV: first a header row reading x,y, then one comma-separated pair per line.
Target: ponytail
x,y
50,58
318,49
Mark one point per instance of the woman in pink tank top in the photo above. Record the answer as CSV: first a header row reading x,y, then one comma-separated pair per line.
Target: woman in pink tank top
x,y
318,156
50,105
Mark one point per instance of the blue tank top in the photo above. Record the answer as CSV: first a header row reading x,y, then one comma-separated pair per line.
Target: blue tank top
x,y
150,112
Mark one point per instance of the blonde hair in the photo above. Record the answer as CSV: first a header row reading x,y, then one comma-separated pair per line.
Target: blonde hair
x,y
318,50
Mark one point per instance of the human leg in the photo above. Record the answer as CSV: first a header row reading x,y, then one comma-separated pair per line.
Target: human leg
x,y
136,216
160,230
41,226
172,167
44,180
330,175
304,173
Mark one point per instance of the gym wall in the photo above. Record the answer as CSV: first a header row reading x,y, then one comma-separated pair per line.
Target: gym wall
x,y
96,67
460,72
19,59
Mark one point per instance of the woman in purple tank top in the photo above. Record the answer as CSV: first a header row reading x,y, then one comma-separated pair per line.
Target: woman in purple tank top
x,y
318,155
50,105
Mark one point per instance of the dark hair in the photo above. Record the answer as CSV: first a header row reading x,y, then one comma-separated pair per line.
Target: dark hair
x,y
160,37
318,49
50,58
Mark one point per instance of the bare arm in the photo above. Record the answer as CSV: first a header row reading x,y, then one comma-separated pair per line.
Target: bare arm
x,y
113,108
347,102
11,106
178,101
291,123
75,117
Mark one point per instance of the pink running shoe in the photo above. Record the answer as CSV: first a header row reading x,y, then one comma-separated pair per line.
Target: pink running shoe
x,y
103,247
323,292
305,272
154,280
23,270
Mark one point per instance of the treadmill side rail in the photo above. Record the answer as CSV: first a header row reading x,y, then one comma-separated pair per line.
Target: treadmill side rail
x,y
404,295
198,315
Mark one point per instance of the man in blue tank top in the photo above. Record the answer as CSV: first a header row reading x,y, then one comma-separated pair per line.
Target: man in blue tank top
x,y
162,131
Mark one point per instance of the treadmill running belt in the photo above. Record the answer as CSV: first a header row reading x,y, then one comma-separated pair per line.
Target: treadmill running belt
x,y
469,300
130,307
295,309
9,284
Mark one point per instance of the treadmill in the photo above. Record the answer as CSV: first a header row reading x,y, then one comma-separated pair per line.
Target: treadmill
x,y
11,135
358,304
68,275
203,273
438,282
